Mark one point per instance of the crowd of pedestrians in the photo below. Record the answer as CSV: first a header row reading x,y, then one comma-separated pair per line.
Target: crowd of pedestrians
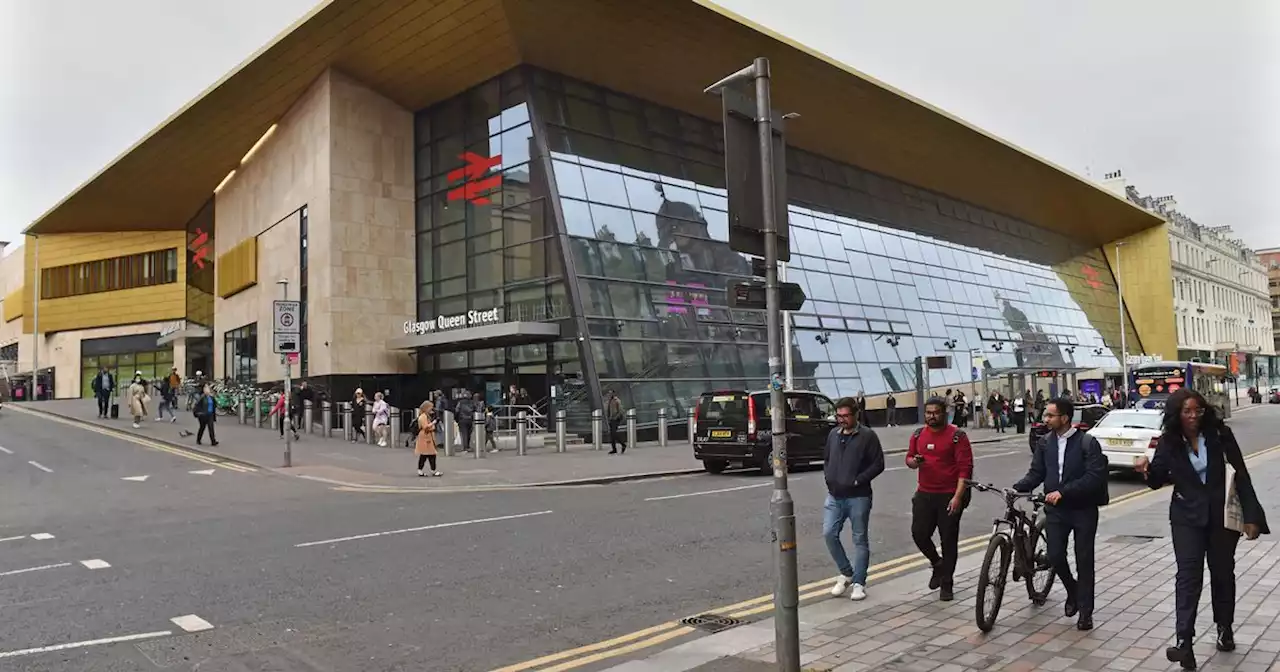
x,y
1212,503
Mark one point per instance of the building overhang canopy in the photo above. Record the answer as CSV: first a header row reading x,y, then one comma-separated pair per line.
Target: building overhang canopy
x,y
419,52
487,336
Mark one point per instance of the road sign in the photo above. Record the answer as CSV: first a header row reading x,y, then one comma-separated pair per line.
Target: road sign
x,y
288,318
751,295
744,181
286,343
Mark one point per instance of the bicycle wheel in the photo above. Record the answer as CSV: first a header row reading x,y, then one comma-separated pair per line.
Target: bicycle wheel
x,y
1040,577
995,567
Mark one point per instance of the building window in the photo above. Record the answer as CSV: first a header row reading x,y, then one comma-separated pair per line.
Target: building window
x,y
240,349
108,275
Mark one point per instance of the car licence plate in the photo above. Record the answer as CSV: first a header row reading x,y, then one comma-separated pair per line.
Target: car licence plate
x,y
1119,442
722,433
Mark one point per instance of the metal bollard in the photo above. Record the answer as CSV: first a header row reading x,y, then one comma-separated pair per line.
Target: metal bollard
x,y
275,421
347,432
241,409
395,427
368,422
447,434
693,428
662,427
477,435
522,425
561,423
308,414
597,430
257,409
631,428
326,417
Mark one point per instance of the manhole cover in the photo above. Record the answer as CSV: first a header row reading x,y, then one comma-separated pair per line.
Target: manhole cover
x,y
711,622
1130,539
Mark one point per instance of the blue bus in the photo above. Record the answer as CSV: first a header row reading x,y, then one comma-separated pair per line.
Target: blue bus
x,y
1151,384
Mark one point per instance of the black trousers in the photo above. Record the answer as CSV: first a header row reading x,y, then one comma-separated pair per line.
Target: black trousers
x,y
929,513
423,459
205,423
104,403
1192,548
613,435
1020,419
1082,526
464,435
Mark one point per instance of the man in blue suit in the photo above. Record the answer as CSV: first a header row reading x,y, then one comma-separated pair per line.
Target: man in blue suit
x,y
1071,466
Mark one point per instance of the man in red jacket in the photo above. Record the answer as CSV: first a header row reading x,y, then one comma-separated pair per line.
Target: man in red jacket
x,y
941,453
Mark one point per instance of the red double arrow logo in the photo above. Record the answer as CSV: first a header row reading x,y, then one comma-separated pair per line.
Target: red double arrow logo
x,y
199,248
477,185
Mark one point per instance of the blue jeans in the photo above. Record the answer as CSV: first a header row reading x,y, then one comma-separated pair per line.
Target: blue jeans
x,y
858,511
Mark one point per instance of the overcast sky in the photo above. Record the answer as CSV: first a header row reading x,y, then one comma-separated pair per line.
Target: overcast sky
x,y
1183,95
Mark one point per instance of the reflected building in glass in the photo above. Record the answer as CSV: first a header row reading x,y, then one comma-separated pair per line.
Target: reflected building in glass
x,y
607,215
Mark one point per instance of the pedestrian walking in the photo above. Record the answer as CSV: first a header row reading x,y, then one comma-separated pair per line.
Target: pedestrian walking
x,y
138,399
891,410
464,414
357,415
962,409
943,458
168,400
425,446
995,406
1041,402
104,384
861,401
851,459
1020,414
1073,470
206,412
1212,504
949,400
614,414
283,417
381,418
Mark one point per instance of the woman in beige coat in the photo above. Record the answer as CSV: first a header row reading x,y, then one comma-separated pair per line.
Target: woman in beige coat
x,y
425,446
138,399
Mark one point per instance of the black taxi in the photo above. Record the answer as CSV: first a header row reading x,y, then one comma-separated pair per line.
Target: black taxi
x,y
735,427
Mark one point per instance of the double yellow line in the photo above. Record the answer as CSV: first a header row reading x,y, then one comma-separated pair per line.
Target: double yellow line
x,y
652,636
146,443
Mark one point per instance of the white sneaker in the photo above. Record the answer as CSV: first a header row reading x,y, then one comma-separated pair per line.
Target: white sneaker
x,y
840,586
136,425
858,593
173,419
422,473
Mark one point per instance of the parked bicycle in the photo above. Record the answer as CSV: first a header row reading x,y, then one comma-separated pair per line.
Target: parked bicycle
x,y
1018,536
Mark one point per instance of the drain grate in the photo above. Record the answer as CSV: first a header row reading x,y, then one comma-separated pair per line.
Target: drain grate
x,y
710,622
1130,539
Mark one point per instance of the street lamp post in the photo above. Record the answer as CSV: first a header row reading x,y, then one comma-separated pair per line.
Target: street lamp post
x,y
1124,347
284,359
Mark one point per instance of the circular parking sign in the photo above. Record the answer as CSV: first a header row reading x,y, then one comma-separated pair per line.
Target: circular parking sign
x,y
286,320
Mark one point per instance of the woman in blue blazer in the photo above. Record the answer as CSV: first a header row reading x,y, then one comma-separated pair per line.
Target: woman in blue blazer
x,y
1193,453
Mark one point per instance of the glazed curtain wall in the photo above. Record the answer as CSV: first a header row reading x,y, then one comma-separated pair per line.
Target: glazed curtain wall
x,y
484,227
889,275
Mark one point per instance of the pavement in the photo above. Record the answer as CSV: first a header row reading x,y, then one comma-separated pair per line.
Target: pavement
x,y
366,466
122,553
902,626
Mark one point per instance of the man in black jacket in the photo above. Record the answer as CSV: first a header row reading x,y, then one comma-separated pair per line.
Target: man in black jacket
x,y
1073,470
852,458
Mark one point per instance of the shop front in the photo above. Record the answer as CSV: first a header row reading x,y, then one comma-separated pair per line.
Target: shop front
x,y
123,356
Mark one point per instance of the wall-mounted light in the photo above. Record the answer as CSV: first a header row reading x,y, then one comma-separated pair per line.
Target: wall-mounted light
x,y
823,338
224,181
949,344
998,347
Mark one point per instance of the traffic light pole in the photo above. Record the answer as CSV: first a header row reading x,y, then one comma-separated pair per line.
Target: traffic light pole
x,y
786,593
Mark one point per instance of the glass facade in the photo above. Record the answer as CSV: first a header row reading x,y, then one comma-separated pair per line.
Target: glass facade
x,y
891,272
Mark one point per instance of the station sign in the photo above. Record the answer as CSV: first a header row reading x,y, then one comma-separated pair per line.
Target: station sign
x,y
471,318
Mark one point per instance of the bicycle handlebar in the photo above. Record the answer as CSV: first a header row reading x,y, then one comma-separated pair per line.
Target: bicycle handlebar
x,y
1007,492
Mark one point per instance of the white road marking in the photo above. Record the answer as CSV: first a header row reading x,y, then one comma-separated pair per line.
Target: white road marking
x,y
203,472
21,536
39,466
95,564
91,642
6,451
138,479
708,492
35,569
192,623
421,529
42,536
